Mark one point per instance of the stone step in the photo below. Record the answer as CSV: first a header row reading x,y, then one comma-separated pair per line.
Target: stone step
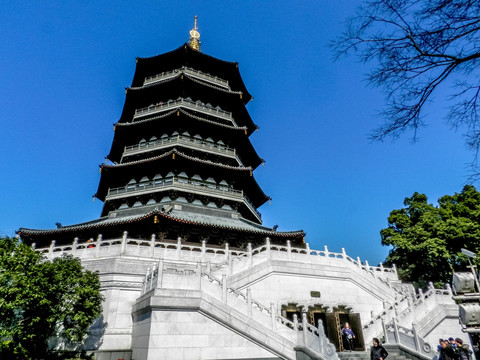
x,y
365,355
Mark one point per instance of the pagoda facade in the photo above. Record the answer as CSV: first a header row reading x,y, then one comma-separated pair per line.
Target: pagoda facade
x,y
181,163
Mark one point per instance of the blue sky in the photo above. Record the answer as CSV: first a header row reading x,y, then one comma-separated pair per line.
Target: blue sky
x,y
64,67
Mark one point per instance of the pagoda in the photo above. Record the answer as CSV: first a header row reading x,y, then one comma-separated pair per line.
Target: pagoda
x,y
181,163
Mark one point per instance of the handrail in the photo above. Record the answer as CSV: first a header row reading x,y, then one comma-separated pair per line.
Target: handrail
x,y
179,139
188,184
188,71
181,102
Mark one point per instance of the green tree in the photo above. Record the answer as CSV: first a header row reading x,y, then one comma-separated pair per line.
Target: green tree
x,y
426,239
417,47
41,300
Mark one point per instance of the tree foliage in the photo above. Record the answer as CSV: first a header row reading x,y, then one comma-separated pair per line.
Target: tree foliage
x,y
427,239
416,47
41,299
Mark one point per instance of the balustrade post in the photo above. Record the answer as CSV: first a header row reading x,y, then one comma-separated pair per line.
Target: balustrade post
x,y
416,340
179,247
273,315
124,242
359,262
74,245
154,277
449,289
145,281
152,245
249,302
394,268
295,325
385,332
227,251
431,287
307,248
34,245
209,267
289,250
381,266
421,294
321,335
204,250
395,329
344,254
304,326
327,253
97,245
160,274
267,245
52,245
249,255
224,288
367,265
199,275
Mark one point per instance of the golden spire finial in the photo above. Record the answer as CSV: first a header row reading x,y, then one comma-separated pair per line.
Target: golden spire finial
x,y
194,40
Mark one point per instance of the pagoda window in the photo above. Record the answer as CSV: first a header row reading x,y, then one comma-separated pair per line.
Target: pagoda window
x,y
211,205
227,207
223,185
143,143
169,178
208,105
175,133
151,202
186,134
144,179
131,185
198,139
165,199
182,200
152,140
188,98
197,202
137,204
211,183
123,206
164,136
196,179
158,179
183,177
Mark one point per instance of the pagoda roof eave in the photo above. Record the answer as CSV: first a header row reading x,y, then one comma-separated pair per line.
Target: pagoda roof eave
x,y
148,66
109,172
238,224
123,131
175,88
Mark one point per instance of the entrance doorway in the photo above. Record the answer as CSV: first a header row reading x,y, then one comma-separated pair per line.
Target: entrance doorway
x,y
332,322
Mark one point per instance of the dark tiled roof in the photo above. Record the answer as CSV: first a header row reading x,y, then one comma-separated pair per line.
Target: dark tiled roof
x,y
239,224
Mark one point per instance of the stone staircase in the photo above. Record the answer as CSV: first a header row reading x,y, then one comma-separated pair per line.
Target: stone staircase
x,y
365,355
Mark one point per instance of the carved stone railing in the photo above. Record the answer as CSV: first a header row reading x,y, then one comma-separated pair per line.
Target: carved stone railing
x,y
187,104
180,139
408,337
187,71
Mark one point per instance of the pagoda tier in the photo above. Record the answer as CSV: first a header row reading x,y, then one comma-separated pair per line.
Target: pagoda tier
x,y
177,171
189,226
185,56
184,130
181,92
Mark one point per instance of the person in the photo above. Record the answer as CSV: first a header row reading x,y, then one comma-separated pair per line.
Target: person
x,y
447,352
348,335
462,350
377,351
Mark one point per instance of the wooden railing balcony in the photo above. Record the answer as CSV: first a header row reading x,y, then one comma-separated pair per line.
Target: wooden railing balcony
x,y
190,142
187,71
188,104
178,183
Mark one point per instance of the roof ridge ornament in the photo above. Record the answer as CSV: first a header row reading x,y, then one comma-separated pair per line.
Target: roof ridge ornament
x,y
194,40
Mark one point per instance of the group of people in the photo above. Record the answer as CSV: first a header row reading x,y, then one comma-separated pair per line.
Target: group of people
x,y
377,351
453,349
